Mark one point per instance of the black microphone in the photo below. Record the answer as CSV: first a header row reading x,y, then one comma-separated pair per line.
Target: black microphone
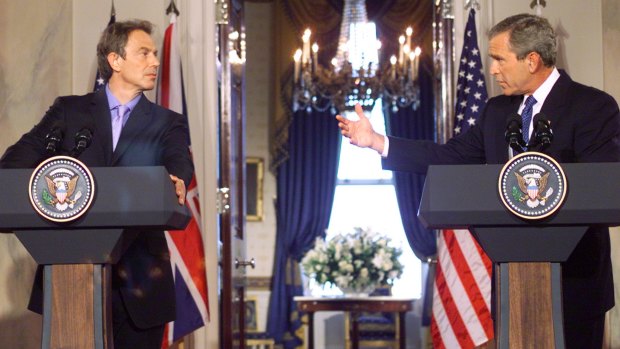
x,y
514,134
543,135
83,138
54,138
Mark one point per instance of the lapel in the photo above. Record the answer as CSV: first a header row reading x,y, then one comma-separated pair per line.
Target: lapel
x,y
100,110
138,119
557,98
509,107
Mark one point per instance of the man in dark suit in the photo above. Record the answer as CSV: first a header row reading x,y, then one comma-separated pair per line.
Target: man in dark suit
x,y
586,125
128,130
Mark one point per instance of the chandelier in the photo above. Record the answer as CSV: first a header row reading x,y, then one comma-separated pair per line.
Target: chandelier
x,y
355,75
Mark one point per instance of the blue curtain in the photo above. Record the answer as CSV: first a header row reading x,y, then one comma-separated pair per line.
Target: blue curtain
x,y
306,184
414,124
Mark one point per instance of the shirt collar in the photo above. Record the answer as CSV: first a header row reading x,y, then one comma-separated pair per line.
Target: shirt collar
x,y
543,91
114,103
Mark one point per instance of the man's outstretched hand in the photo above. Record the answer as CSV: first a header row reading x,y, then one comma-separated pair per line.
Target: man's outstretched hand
x,y
360,132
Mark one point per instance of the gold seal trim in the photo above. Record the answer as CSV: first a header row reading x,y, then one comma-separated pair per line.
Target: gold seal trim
x,y
77,166
507,197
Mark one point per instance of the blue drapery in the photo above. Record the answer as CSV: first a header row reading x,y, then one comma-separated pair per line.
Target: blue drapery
x,y
414,124
306,185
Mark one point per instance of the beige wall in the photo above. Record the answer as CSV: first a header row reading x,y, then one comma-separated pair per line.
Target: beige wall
x,y
611,72
35,67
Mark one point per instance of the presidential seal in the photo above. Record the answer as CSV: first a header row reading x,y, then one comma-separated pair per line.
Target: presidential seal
x,y
61,189
532,185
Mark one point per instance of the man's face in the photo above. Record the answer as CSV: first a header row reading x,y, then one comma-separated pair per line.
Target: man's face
x,y
138,70
511,74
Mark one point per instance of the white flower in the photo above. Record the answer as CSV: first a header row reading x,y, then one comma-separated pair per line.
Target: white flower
x,y
338,251
357,247
356,260
377,261
342,281
364,273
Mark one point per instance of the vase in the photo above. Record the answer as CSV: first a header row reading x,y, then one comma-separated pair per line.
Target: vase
x,y
357,292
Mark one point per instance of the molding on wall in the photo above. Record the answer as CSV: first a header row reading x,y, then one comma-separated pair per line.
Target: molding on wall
x,y
259,283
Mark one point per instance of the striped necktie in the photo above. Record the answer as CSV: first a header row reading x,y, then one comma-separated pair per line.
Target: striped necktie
x,y
117,124
526,117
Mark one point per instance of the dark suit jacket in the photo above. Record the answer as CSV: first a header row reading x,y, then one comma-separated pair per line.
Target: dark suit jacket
x,y
586,126
152,136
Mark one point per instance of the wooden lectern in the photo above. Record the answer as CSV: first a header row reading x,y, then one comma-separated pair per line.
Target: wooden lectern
x,y
77,256
526,254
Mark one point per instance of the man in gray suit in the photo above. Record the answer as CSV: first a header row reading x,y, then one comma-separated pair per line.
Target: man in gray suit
x,y
128,130
586,126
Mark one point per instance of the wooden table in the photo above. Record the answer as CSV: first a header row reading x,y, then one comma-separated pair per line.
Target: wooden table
x,y
355,305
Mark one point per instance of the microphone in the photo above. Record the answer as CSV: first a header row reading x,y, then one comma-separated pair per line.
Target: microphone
x,y
54,138
83,138
514,135
543,135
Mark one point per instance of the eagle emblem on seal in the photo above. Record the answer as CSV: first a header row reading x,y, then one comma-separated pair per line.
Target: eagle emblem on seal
x,y
532,186
60,192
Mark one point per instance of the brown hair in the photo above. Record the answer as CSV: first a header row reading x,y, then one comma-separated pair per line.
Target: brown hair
x,y
114,39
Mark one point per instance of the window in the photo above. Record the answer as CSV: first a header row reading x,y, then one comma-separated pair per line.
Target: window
x,y
365,197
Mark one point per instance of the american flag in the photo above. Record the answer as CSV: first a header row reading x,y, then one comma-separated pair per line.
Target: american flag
x,y
186,248
462,291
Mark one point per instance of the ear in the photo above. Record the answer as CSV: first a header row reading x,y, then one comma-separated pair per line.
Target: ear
x,y
114,61
534,62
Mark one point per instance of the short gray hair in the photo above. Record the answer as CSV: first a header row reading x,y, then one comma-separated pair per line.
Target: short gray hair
x,y
114,39
529,33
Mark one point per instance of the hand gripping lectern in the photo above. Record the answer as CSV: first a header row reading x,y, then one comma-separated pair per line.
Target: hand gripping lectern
x,y
77,256
526,254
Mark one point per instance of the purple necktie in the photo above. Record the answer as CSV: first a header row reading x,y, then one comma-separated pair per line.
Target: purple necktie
x,y
117,124
526,117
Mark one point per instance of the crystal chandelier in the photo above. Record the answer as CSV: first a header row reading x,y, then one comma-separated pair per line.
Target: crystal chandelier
x,y
355,75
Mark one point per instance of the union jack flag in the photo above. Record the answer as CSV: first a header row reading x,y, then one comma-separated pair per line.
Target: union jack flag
x,y
186,248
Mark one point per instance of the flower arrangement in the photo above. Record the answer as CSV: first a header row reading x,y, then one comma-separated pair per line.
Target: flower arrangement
x,y
358,261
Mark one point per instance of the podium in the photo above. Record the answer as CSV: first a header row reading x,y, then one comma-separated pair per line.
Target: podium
x,y
77,256
526,254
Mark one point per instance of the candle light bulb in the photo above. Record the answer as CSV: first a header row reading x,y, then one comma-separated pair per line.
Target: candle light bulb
x,y
418,51
315,47
297,55
393,59
306,36
409,31
401,39
406,49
